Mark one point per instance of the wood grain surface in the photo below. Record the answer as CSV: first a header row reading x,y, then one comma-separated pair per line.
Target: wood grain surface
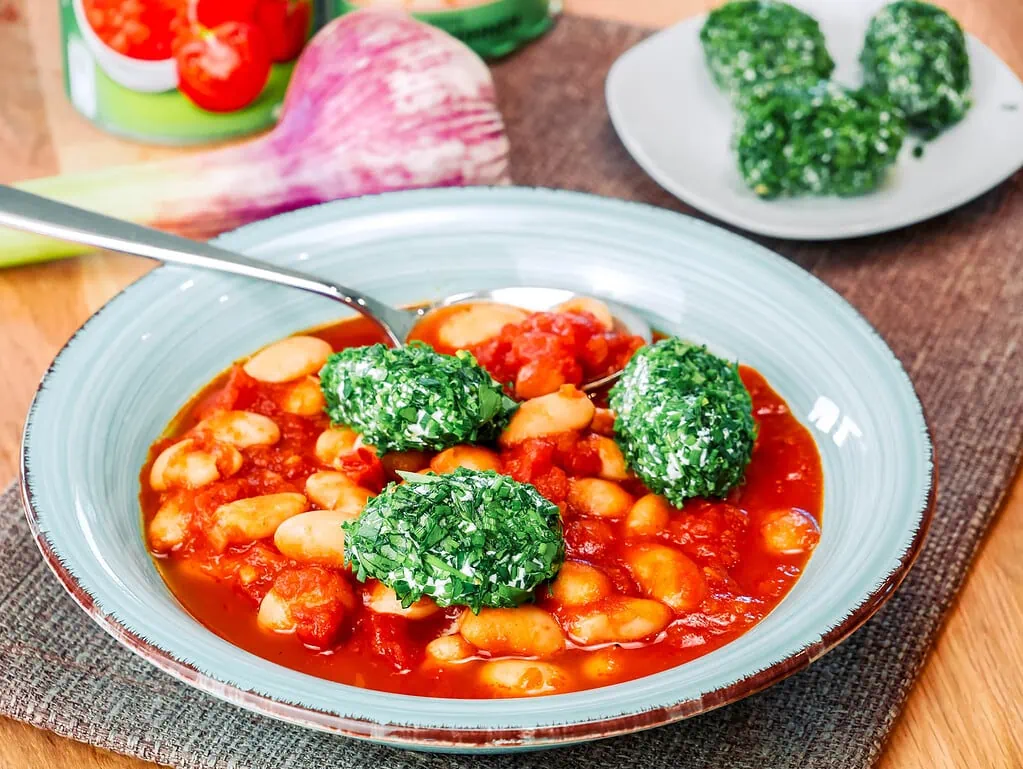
x,y
965,710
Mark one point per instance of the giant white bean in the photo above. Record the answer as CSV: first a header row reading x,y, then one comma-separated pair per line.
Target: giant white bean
x,y
335,442
288,360
525,630
303,397
648,516
169,527
668,575
449,648
612,461
382,600
241,429
789,531
598,498
616,619
470,457
185,465
314,537
466,326
524,678
246,520
331,490
562,411
579,583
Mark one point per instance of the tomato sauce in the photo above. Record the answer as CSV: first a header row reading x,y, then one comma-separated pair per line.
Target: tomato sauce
x,y
744,579
140,29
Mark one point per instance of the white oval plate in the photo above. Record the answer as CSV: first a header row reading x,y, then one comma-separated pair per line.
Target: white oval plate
x,y
678,126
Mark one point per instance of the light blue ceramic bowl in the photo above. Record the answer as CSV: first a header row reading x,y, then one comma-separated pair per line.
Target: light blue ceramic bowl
x,y
125,374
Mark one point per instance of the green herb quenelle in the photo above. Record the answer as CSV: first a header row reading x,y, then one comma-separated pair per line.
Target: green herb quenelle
x,y
413,397
684,420
915,53
466,538
821,140
751,43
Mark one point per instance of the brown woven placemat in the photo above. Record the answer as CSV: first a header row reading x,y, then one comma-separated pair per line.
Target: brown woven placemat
x,y
948,297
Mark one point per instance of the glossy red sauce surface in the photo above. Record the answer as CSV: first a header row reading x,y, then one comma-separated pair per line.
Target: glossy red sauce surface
x,y
742,579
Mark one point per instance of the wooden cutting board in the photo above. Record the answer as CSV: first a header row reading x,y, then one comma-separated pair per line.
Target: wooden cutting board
x,y
964,711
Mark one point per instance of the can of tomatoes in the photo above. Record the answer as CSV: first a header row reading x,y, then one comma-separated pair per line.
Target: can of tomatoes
x,y
181,71
492,28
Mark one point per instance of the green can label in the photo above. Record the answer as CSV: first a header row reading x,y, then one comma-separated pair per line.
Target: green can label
x,y
492,28
181,71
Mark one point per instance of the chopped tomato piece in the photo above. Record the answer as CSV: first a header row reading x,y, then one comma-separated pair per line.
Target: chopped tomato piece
x,y
318,600
549,349
364,467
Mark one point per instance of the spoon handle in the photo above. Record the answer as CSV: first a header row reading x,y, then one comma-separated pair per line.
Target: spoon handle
x,y
24,211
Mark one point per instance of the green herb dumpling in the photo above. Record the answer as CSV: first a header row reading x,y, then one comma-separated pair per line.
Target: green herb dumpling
x,y
818,140
467,538
749,44
684,420
413,397
915,54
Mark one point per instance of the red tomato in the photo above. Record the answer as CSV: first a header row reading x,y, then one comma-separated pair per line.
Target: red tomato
x,y
389,639
364,468
225,68
213,13
286,24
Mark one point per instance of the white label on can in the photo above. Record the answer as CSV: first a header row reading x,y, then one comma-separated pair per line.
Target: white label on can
x,y
81,71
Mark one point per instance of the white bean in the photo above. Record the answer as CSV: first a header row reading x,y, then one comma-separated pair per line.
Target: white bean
x,y
246,520
185,465
603,422
241,429
169,527
336,491
617,619
471,457
525,630
304,397
449,648
789,531
604,664
333,443
667,575
648,516
274,614
579,583
598,498
594,307
314,537
612,461
466,326
563,411
382,600
288,359
524,678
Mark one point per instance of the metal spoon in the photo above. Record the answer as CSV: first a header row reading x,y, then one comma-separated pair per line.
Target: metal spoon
x,y
43,216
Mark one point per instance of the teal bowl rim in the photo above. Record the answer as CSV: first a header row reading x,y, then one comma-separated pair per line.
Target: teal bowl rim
x,y
452,739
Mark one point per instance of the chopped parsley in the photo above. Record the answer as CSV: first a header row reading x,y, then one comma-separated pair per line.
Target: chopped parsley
x,y
915,53
820,140
752,43
465,538
684,420
413,397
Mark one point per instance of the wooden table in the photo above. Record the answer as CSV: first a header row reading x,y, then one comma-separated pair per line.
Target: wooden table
x,y
964,711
